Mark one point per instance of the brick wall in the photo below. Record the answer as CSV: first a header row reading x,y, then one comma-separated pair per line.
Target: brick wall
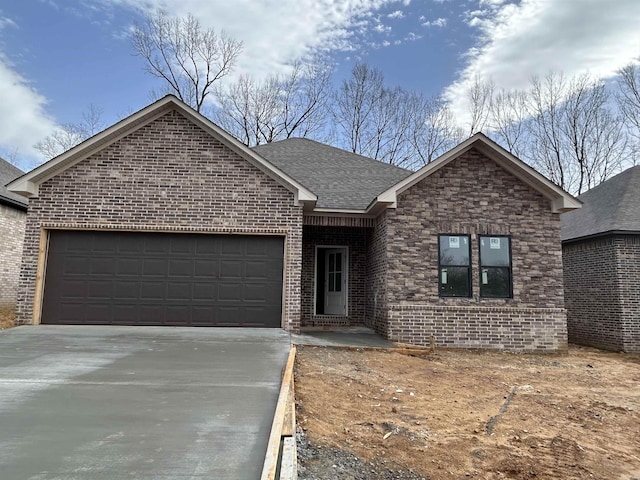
x,y
377,270
473,195
172,176
355,239
602,296
628,260
12,222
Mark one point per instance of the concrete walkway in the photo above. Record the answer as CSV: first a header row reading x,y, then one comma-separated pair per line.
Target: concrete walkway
x,y
137,402
342,337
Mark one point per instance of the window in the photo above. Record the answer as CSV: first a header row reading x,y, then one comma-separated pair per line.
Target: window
x,y
454,266
495,267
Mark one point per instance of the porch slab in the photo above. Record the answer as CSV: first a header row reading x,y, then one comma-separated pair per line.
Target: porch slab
x,y
341,337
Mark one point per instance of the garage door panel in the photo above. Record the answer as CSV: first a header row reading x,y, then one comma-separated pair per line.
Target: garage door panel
x,y
229,292
179,291
181,245
100,289
126,278
130,245
231,268
206,268
205,291
99,313
151,315
123,290
73,265
154,266
181,268
69,289
152,290
128,266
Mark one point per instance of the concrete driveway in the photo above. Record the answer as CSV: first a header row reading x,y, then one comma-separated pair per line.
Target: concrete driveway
x,y
137,402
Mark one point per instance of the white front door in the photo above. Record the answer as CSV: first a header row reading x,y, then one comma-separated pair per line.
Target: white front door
x,y
335,285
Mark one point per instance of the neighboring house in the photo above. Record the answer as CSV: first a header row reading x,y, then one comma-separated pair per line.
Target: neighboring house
x,y
164,218
601,255
13,215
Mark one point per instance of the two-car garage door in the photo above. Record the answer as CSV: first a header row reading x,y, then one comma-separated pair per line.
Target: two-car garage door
x,y
180,279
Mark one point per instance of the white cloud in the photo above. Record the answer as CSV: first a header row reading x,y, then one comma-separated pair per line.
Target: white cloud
x,y
6,22
23,118
438,22
276,32
380,28
396,14
534,37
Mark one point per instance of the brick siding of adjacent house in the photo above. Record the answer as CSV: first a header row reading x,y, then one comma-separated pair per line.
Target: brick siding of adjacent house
x,y
602,293
355,239
168,175
473,195
12,224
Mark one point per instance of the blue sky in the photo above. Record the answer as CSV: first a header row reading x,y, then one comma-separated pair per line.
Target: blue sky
x,y
59,56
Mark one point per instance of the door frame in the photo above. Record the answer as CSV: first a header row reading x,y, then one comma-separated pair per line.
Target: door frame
x,y
345,249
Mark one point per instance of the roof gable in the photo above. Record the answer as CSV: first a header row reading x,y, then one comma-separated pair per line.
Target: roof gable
x,y
612,206
342,180
27,185
560,201
9,173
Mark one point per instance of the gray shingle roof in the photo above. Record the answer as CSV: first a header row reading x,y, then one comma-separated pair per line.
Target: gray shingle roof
x,y
612,206
8,173
340,179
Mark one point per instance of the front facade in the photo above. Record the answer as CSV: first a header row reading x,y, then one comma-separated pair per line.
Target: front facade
x,y
13,214
164,219
601,256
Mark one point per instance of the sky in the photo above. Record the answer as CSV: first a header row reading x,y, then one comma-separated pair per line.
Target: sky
x,y
57,57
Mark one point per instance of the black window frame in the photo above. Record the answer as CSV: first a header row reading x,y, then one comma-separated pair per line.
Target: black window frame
x,y
442,294
482,267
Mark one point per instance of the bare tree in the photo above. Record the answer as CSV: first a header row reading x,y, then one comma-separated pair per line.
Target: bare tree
x,y
279,107
71,134
434,129
355,103
479,96
628,99
577,140
188,58
509,121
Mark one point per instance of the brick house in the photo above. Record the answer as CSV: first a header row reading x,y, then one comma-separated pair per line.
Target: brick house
x,y
601,255
166,219
13,215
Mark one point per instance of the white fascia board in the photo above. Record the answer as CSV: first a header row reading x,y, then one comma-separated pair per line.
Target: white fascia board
x,y
560,201
301,193
28,184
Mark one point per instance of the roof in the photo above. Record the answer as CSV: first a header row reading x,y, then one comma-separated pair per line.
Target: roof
x,y
560,201
342,180
612,206
28,185
8,173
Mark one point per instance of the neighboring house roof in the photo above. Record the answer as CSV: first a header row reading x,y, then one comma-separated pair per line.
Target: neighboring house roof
x,y
8,173
342,180
28,184
611,207
560,201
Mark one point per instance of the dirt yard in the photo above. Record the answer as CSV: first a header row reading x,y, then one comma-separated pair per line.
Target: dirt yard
x,y
7,318
463,414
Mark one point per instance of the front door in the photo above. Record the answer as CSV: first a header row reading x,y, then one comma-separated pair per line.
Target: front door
x,y
335,282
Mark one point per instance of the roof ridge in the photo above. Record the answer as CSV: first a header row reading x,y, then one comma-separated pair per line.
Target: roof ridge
x,y
337,150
